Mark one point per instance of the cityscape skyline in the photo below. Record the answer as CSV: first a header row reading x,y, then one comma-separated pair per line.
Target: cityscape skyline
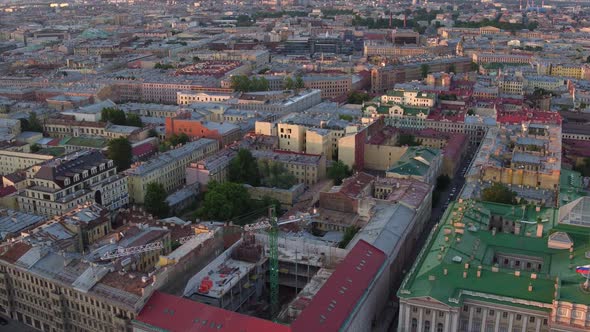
x,y
295,165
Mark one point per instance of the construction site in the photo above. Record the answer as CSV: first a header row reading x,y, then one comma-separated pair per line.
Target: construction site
x,y
240,278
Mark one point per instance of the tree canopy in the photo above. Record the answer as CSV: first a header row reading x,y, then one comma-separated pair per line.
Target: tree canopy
x,y
119,150
275,175
224,201
244,84
289,83
159,65
118,117
31,124
499,193
338,171
497,24
424,70
452,68
299,84
358,97
113,115
175,139
134,120
155,200
349,234
244,169
407,140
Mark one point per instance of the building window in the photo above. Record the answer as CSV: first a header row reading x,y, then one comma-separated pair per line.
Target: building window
x,y
518,317
463,325
439,327
414,324
427,326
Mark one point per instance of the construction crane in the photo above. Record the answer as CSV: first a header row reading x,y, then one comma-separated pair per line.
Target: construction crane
x,y
122,252
272,225
273,246
273,237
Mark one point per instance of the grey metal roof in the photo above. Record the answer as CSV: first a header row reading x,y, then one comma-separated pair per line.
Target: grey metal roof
x,y
525,158
530,141
387,228
12,221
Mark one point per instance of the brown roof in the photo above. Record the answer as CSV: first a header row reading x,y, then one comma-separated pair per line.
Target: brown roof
x,y
354,185
125,282
15,252
16,176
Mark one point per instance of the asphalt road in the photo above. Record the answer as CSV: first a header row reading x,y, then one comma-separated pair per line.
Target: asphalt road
x,y
456,183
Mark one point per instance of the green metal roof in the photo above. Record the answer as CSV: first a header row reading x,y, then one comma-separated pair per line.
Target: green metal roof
x,y
415,161
395,93
464,232
92,142
414,111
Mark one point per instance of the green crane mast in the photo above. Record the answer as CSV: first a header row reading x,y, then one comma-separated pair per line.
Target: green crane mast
x,y
274,262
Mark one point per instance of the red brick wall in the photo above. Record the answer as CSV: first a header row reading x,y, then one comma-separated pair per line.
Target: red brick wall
x,y
338,202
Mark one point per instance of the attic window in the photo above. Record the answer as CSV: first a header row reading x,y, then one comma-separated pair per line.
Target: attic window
x,y
76,177
67,181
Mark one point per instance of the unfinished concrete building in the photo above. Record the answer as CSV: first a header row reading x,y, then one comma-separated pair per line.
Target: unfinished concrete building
x,y
240,274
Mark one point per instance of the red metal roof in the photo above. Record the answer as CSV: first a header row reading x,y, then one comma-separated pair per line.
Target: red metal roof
x,y
176,314
529,115
142,149
7,191
54,142
336,300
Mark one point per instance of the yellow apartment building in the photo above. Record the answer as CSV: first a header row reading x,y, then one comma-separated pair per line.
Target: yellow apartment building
x,y
11,161
168,169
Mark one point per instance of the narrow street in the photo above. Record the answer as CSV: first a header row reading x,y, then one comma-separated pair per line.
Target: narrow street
x,y
438,208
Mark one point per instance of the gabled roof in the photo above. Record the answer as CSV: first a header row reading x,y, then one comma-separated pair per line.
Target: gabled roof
x,y
338,298
175,314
